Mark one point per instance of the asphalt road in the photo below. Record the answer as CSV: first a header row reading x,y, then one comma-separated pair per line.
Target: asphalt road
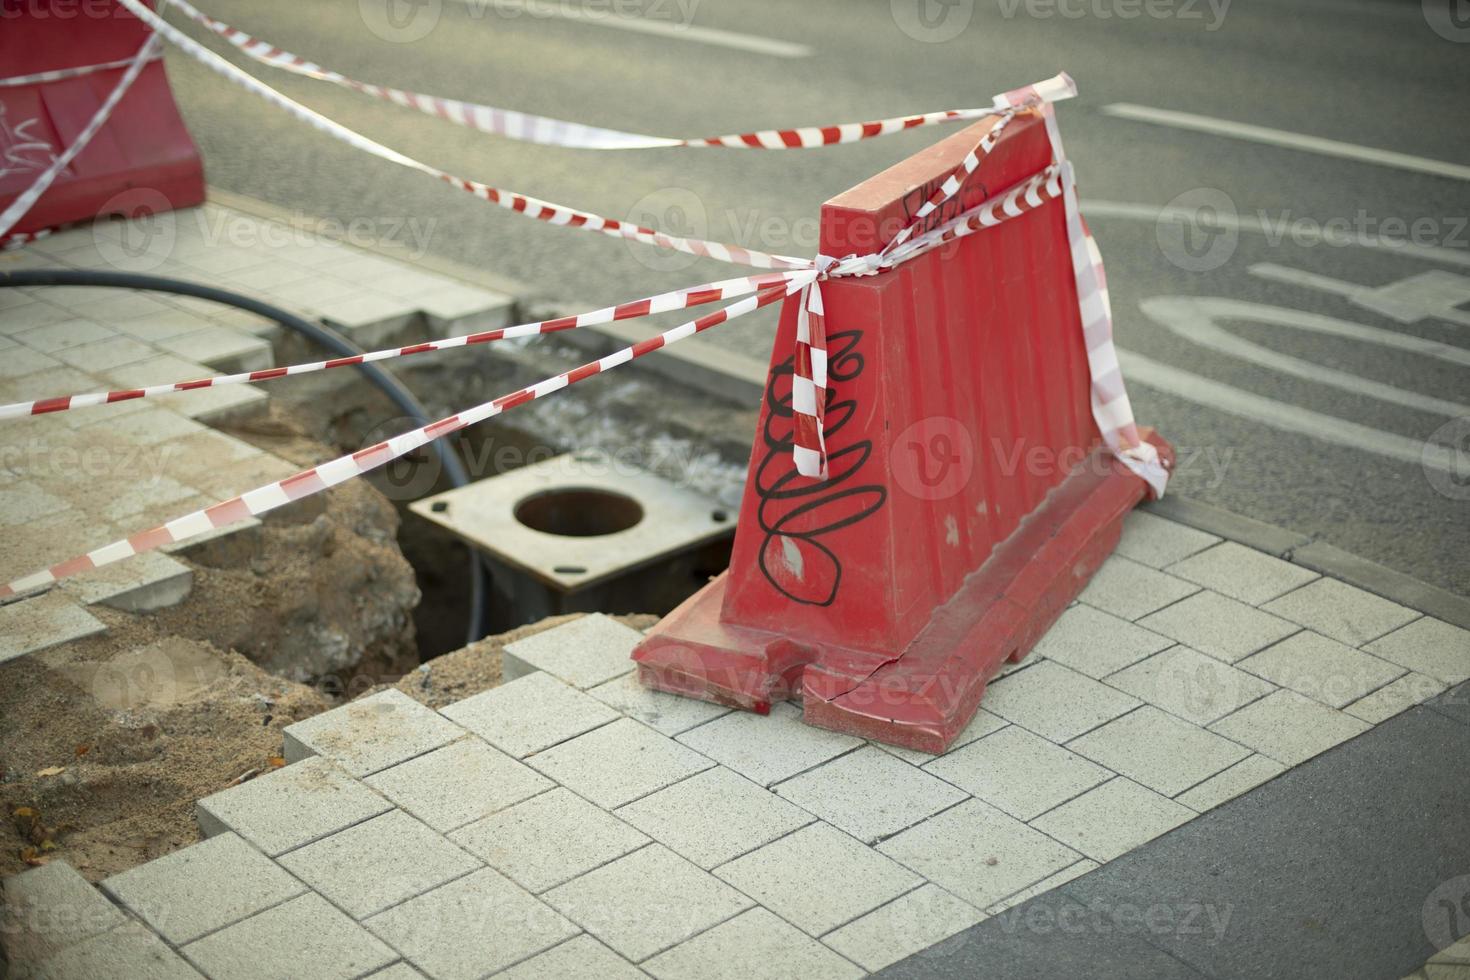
x,y
1282,365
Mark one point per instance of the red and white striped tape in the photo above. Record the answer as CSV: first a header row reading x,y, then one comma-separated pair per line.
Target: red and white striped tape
x,y
678,299
62,74
319,478
28,197
559,132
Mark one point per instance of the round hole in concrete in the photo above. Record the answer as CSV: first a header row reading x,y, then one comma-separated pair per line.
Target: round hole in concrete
x,y
579,512
719,517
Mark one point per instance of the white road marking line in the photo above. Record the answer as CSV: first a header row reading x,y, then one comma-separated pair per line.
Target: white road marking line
x,y
1280,137
1197,320
1368,296
1307,232
640,25
1289,418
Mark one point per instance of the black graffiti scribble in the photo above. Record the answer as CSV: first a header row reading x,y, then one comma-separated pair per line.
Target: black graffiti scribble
x,y
795,510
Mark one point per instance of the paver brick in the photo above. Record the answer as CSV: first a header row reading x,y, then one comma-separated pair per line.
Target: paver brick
x,y
981,725
753,944
1112,819
63,334
1018,772
576,959
1336,609
291,807
43,621
471,927
371,734
1158,750
459,783
370,866
1055,702
144,583
1428,646
1131,590
906,925
870,794
1246,774
1191,685
47,909
1289,727
978,853
305,937
714,816
1242,573
398,971
1056,880
114,351
128,951
1096,643
584,653
1322,669
548,839
793,877
222,349
1226,629
26,502
530,714
767,748
618,763
1389,700
666,713
1158,542
646,902
202,887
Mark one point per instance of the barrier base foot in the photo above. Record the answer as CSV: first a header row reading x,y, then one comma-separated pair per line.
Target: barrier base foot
x,y
923,696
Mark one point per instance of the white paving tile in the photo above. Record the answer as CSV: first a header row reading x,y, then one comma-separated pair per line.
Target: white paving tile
x,y
906,925
1289,727
1112,819
1132,590
459,783
1158,750
289,807
1054,701
471,927
767,748
1070,873
667,713
1242,573
1096,643
128,951
548,839
1225,628
202,887
1246,774
583,653
753,944
1018,772
714,816
371,734
305,937
576,959
370,866
618,763
1158,542
1336,609
978,853
1389,700
870,794
1321,668
981,725
1428,646
793,878
530,714
1191,685
647,902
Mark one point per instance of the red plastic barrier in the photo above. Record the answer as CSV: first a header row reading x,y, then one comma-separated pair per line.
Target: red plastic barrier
x,y
969,498
144,144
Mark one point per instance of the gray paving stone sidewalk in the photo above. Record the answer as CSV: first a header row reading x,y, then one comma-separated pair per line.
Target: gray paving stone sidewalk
x,y
539,829
75,481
